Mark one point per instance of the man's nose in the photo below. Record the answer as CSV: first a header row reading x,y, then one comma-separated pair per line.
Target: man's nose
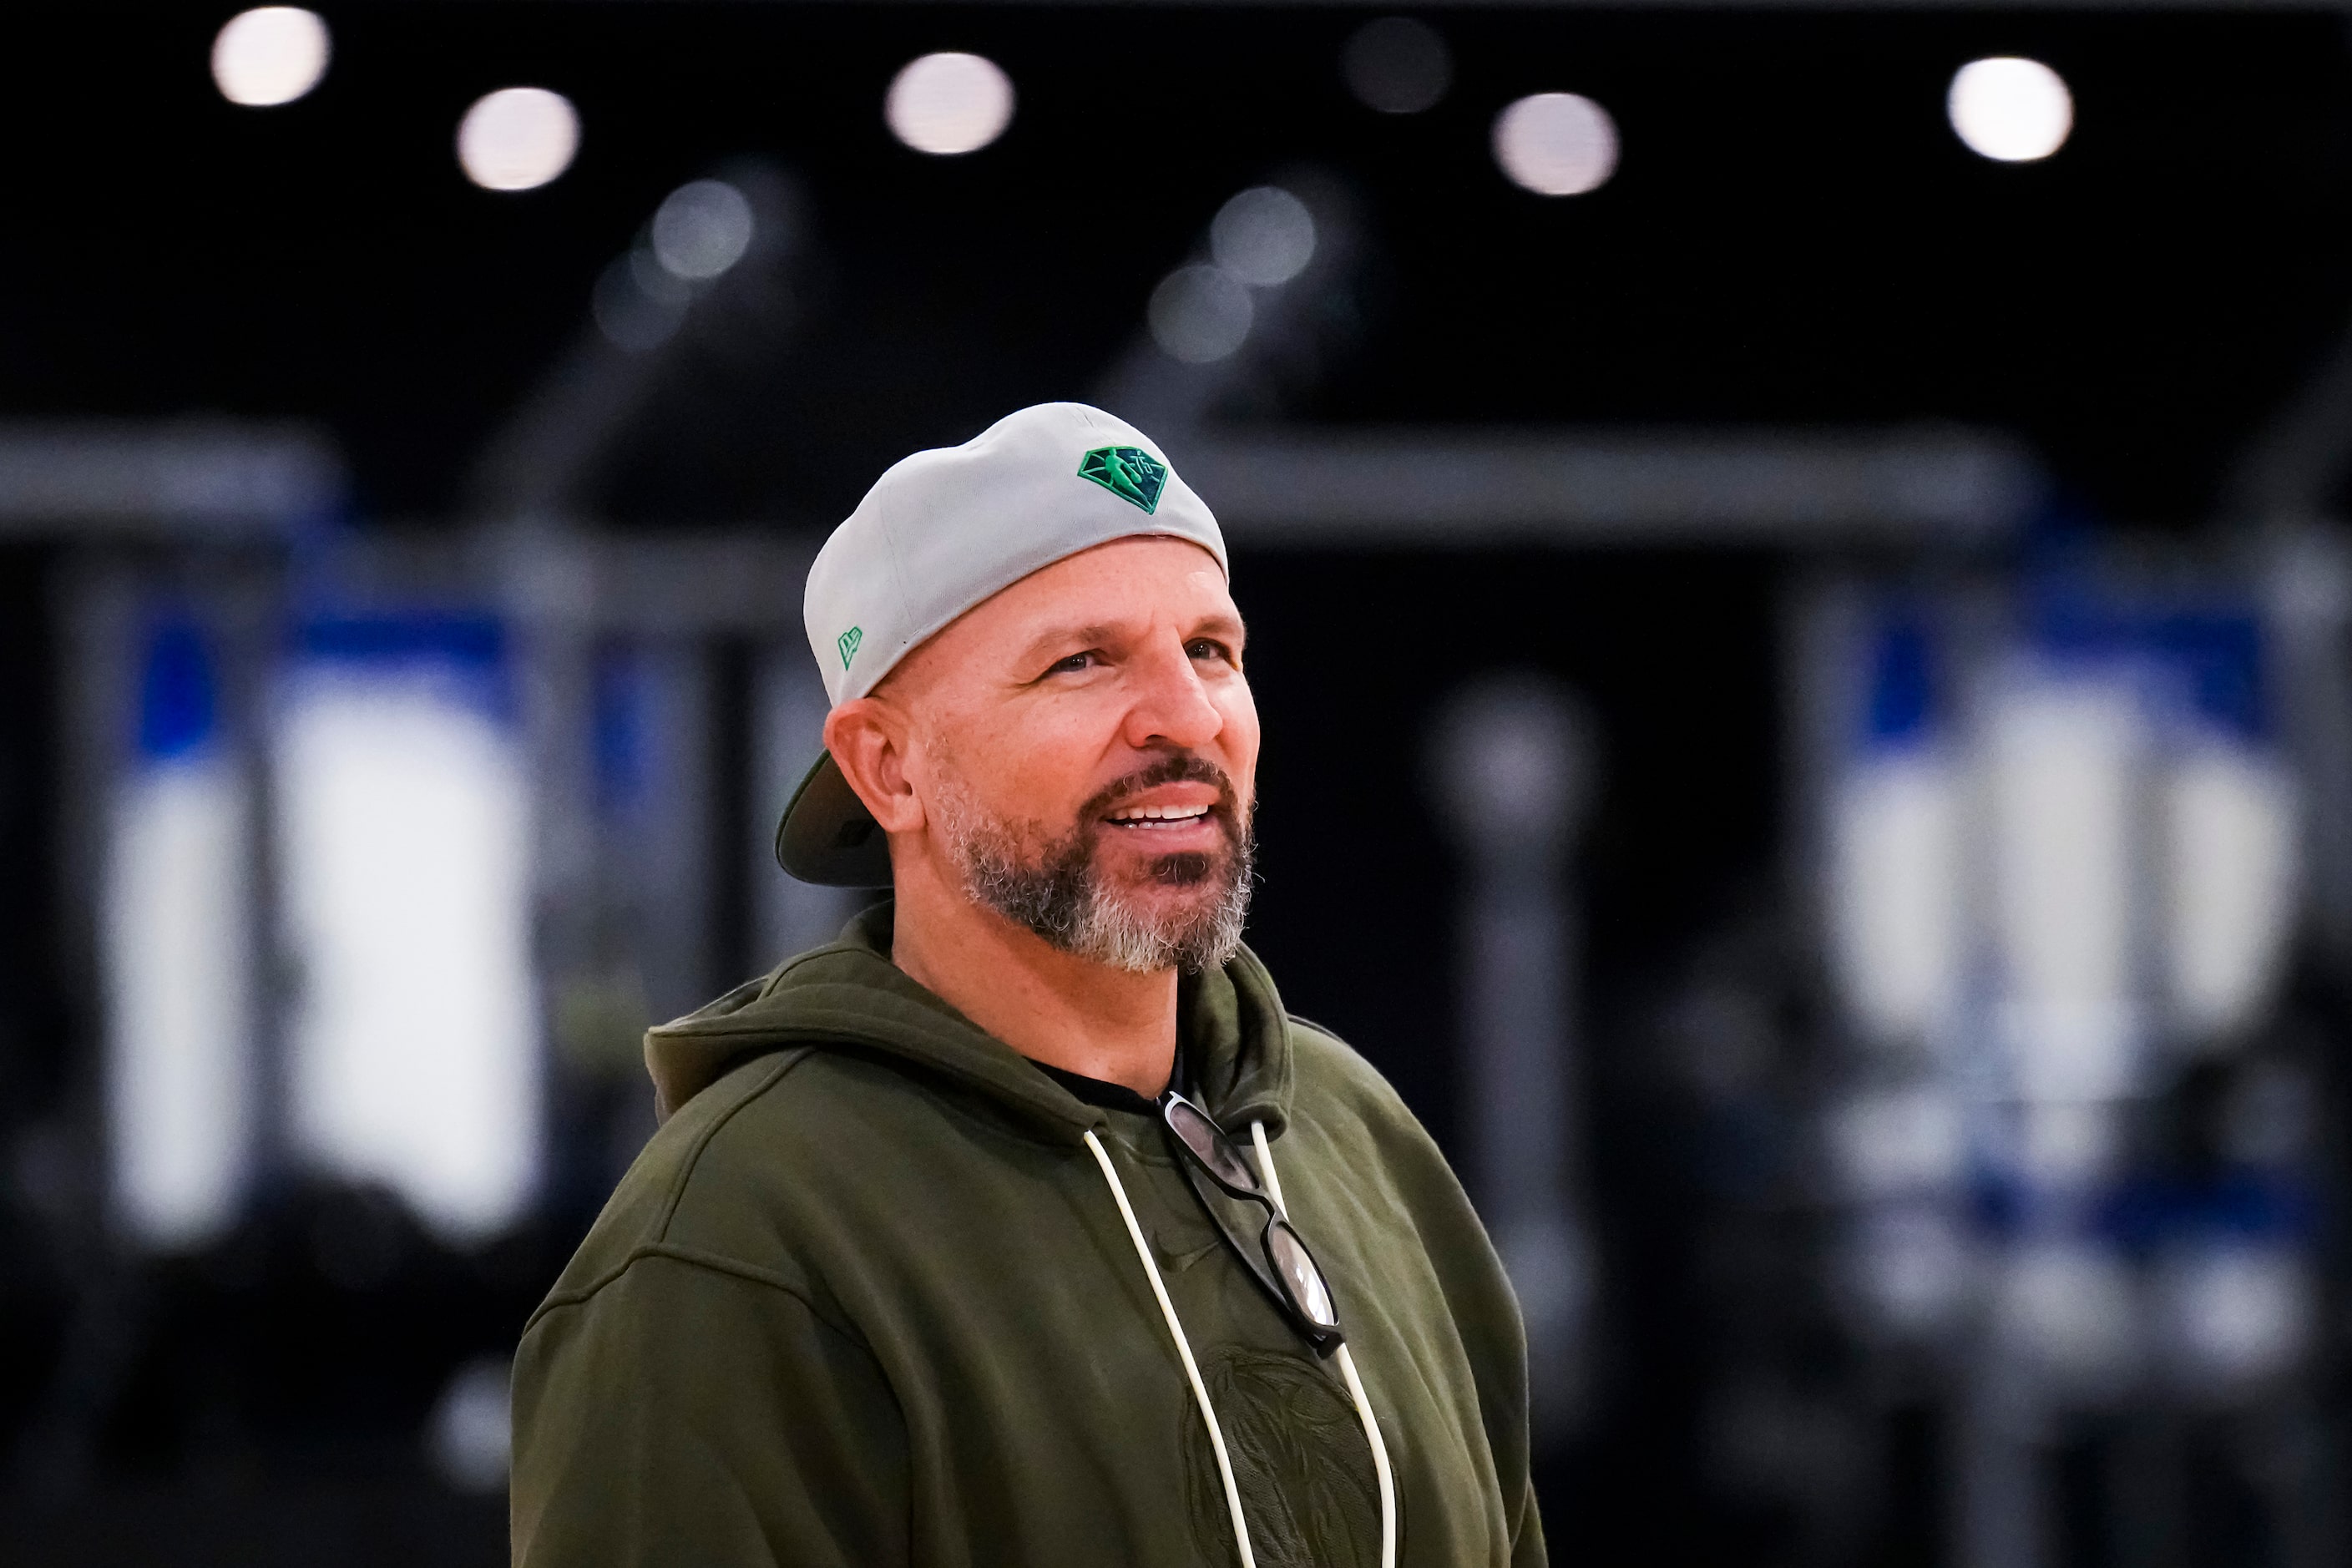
x,y
1171,705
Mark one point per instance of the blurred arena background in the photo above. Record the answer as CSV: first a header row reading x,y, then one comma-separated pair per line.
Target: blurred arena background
x,y
1800,599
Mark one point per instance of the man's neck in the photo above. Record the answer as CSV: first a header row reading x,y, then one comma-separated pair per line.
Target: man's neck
x,y
1052,1007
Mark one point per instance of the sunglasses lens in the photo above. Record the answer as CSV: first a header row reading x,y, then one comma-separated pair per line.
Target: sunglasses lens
x,y
1300,1275
1214,1148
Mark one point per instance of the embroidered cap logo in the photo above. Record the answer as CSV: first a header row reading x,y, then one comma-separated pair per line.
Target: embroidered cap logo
x,y
848,644
1130,473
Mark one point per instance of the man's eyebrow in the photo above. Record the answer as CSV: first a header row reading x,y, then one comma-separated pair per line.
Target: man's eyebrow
x,y
1101,632
1069,636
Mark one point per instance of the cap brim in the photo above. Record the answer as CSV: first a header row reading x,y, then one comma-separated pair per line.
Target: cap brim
x,y
827,837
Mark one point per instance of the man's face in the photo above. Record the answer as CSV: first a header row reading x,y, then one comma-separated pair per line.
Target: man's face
x,y
1084,747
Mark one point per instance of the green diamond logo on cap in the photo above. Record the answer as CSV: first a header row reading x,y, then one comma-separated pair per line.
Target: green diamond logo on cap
x,y
1130,473
847,643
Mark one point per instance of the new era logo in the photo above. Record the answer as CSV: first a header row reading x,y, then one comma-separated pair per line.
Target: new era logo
x,y
1130,473
847,644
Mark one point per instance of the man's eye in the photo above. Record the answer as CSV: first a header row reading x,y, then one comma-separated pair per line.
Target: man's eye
x,y
1202,647
1071,665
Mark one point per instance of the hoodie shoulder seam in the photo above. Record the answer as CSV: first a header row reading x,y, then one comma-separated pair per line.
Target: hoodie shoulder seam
x,y
787,1059
707,1262
1325,1030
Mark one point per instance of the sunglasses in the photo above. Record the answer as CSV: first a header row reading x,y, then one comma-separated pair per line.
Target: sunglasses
x,y
1280,1261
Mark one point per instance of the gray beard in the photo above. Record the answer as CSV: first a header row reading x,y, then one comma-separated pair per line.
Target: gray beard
x,y
1060,894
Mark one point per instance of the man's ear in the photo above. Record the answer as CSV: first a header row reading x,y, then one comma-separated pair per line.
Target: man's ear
x,y
868,738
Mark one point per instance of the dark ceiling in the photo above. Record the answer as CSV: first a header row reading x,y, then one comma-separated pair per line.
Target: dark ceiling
x,y
1794,234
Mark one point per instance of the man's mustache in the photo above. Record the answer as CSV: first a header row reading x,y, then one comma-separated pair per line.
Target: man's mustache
x,y
1180,767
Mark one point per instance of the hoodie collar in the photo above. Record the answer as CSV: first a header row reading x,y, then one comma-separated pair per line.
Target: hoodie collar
x,y
850,996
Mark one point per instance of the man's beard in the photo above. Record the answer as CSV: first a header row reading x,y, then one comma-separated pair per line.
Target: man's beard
x,y
1059,891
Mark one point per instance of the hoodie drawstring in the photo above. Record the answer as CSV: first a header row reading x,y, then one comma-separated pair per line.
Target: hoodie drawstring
x,y
1273,1180
1193,1371
1183,1349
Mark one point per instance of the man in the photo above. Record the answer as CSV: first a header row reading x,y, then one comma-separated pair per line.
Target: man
x,y
964,1240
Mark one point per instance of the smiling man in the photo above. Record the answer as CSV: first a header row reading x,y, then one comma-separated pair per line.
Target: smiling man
x,y
1022,1225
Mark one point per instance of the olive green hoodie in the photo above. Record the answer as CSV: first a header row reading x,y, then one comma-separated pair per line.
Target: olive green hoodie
x,y
866,1299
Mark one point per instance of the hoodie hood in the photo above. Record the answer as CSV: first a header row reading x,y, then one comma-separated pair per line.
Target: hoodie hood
x,y
849,997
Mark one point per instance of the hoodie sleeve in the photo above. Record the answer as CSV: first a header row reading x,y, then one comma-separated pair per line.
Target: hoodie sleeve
x,y
684,1412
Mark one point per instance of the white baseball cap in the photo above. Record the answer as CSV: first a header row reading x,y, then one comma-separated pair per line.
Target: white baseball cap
x,y
938,533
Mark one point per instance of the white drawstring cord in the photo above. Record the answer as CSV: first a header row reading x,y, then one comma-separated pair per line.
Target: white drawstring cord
x,y
1192,1372
1380,1457
1273,1180
1183,1350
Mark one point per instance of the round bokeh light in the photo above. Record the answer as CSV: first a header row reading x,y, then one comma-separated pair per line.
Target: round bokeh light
x,y
518,138
1557,144
270,54
702,229
1264,236
949,105
2011,109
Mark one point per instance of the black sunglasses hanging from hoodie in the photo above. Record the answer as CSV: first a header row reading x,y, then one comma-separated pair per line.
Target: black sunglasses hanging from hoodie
x,y
1280,1261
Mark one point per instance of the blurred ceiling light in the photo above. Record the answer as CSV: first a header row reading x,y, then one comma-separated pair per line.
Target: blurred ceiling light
x,y
1397,64
949,103
1264,236
702,229
1199,314
2009,109
271,55
518,138
1557,144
